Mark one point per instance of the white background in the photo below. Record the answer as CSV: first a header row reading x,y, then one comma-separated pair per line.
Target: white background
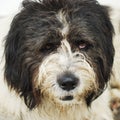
x,y
8,7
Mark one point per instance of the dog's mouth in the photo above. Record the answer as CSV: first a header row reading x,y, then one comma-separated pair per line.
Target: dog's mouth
x,y
67,98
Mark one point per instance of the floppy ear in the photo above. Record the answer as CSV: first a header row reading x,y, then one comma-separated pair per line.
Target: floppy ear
x,y
20,65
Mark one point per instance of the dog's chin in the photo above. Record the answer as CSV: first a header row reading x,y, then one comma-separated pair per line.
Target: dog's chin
x,y
67,100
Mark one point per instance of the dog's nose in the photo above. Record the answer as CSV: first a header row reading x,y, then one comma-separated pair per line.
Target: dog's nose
x,y
68,82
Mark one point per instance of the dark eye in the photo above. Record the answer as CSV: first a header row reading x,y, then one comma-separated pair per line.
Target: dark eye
x,y
49,47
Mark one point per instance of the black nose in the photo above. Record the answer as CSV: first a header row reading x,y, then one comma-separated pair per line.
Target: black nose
x,y
68,82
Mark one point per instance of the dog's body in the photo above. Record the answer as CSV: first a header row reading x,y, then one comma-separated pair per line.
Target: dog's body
x,y
57,63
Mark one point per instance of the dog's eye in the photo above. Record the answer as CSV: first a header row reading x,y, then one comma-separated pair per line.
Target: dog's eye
x,y
49,47
83,45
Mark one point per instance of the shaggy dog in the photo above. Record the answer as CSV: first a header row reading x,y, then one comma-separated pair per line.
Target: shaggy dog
x,y
57,62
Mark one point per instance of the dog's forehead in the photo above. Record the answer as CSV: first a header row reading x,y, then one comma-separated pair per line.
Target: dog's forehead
x,y
61,23
62,18
84,21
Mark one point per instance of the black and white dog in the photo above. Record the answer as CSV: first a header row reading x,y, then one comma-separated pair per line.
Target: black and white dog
x,y
57,62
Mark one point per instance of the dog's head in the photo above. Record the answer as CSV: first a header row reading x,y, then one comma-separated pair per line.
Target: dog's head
x,y
59,50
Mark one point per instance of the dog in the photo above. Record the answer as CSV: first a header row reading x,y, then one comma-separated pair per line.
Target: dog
x,y
57,62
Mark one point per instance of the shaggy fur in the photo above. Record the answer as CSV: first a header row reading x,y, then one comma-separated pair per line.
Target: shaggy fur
x,y
51,42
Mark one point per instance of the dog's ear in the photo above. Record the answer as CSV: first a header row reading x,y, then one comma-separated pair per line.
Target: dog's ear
x,y
20,64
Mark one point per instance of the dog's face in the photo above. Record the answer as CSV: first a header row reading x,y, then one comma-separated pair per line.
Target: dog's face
x,y
59,50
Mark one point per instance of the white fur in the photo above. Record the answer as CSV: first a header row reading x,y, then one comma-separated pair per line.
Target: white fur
x,y
61,18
